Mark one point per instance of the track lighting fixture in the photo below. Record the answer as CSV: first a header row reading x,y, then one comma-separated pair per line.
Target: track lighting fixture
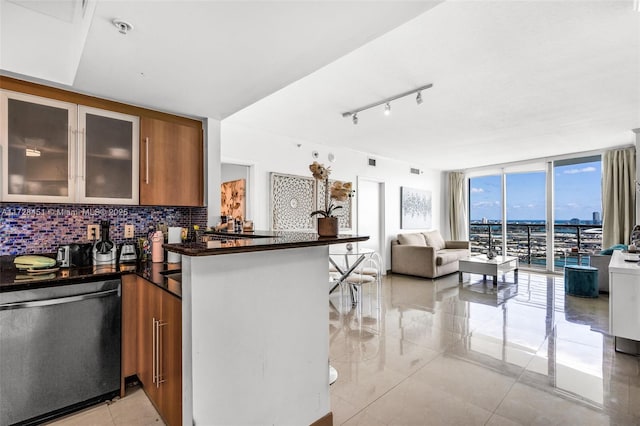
x,y
387,103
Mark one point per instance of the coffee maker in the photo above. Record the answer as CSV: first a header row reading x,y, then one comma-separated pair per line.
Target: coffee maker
x,y
104,250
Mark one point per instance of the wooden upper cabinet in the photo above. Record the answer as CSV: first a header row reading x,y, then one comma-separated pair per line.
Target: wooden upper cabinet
x,y
171,163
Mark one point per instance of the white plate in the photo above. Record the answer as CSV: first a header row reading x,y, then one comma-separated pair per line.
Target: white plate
x,y
41,271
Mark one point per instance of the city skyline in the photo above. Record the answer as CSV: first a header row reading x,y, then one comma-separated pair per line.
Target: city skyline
x,y
577,190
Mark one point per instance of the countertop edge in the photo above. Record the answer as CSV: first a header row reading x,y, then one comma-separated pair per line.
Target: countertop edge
x,y
259,244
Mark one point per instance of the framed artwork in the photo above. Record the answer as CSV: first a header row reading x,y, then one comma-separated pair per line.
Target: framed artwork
x,y
232,198
292,201
415,208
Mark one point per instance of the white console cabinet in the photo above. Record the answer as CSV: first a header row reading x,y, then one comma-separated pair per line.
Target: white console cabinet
x,y
624,297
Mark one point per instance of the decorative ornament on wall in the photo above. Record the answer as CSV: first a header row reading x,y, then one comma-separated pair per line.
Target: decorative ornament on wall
x,y
292,201
415,208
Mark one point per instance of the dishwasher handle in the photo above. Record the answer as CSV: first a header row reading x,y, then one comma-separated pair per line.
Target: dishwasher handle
x,y
57,301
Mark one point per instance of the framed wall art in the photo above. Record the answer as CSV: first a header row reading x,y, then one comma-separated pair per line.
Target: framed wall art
x,y
232,198
415,208
292,201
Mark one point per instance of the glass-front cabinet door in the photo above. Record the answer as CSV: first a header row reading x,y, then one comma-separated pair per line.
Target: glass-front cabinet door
x,y
37,136
54,151
108,156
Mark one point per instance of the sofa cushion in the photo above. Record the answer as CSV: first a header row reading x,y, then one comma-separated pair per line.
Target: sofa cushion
x,y
415,239
446,256
434,239
614,247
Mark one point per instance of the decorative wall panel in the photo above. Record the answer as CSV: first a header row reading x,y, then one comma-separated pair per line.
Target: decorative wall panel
x,y
292,201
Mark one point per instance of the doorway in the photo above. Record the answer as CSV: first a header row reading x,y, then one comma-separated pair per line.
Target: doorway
x,y
371,215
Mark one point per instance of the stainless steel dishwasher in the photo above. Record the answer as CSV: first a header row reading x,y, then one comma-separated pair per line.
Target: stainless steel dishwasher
x,y
59,349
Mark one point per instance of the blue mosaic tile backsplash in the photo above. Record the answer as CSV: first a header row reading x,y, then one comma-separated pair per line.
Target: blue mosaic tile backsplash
x,y
40,228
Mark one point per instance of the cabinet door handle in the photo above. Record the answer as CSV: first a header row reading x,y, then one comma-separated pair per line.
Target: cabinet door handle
x,y
154,346
146,161
81,152
160,353
70,171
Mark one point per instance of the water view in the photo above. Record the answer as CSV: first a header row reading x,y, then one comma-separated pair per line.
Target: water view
x,y
573,243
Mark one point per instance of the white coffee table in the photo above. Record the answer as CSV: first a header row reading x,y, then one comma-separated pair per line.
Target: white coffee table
x,y
481,265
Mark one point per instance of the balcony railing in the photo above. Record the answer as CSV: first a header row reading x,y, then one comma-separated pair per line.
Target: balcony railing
x,y
528,241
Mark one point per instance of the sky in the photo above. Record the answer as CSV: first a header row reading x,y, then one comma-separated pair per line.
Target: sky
x,y
577,194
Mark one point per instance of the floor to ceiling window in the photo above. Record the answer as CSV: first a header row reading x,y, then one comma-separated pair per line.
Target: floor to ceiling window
x,y
526,217
508,212
577,209
485,213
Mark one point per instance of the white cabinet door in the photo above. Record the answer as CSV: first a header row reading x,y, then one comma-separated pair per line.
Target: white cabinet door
x,y
59,152
624,305
37,137
108,144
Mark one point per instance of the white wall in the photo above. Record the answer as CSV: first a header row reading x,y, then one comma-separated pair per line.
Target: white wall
x,y
637,134
271,153
212,169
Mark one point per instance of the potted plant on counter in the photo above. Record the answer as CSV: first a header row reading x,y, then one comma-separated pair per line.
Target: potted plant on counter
x,y
338,191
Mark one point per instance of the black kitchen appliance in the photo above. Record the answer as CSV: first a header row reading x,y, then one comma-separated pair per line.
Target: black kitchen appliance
x,y
60,348
104,250
75,255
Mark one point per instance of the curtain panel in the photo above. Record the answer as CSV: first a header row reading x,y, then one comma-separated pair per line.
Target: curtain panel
x,y
618,196
457,207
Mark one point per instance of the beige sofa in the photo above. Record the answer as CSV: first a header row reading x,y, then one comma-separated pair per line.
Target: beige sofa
x,y
426,254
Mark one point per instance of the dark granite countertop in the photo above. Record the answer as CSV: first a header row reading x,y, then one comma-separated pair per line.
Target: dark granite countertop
x,y
226,243
164,275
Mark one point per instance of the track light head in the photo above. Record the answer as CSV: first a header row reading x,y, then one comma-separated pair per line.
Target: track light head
x,y
387,102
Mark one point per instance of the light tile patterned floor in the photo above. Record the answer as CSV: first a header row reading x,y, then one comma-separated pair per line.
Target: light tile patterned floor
x,y
432,352
134,409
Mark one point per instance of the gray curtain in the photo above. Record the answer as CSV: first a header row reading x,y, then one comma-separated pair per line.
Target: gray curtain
x,y
457,207
618,196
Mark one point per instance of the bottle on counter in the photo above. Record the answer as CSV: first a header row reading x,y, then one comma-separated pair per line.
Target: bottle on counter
x,y
157,252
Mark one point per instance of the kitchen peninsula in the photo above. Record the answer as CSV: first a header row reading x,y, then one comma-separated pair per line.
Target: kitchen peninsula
x,y
255,344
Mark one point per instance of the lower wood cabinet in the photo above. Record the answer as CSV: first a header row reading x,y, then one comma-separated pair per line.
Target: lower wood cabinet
x,y
158,352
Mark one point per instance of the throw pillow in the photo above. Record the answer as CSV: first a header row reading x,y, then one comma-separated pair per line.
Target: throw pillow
x,y
614,247
412,239
434,239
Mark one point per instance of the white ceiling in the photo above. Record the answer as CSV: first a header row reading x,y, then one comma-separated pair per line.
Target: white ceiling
x,y
513,80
